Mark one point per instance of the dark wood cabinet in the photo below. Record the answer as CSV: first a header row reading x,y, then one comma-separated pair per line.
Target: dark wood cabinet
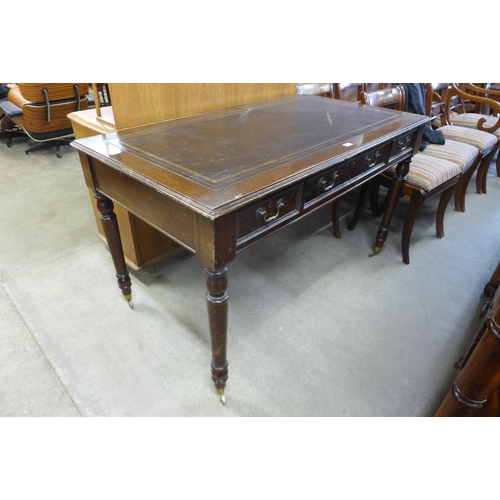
x,y
475,391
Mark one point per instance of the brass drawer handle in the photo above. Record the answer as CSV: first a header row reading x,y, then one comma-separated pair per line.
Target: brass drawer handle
x,y
322,182
375,160
403,143
262,212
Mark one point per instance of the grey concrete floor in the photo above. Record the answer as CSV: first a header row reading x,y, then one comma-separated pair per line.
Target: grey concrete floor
x,y
316,328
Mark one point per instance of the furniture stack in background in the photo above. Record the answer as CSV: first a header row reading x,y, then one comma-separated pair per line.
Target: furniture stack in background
x,y
41,111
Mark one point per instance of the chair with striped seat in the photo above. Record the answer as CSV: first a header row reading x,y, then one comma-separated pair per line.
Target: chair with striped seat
x,y
445,104
493,90
349,91
489,96
428,176
466,156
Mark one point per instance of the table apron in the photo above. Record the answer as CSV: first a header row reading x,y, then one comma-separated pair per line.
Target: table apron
x,y
215,242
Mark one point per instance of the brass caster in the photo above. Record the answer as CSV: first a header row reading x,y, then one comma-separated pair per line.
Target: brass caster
x,y
221,396
376,250
129,300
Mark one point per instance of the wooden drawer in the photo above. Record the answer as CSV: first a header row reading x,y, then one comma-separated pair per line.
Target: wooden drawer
x,y
334,179
266,214
403,144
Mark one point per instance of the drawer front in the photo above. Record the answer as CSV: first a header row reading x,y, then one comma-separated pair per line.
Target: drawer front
x,y
403,144
264,215
330,181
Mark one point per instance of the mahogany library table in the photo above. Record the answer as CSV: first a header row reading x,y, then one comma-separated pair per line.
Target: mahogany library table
x,y
221,181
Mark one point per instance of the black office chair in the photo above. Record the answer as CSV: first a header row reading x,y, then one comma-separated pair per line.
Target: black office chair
x,y
10,130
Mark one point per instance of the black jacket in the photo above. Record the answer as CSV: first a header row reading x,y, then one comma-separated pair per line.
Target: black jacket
x,y
4,90
415,103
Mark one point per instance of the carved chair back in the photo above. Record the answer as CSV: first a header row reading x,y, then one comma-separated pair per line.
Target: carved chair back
x,y
321,89
441,104
371,87
349,91
394,98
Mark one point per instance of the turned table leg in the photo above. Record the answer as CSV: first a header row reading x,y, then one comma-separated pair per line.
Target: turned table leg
x,y
395,192
217,303
112,233
492,285
479,376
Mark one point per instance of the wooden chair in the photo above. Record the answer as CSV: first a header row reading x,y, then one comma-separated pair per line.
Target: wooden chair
x,y
321,89
349,91
352,91
428,176
372,87
42,112
487,98
493,93
446,103
467,155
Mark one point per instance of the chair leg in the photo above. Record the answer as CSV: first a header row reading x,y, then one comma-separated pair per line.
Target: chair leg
x,y
57,143
461,190
482,171
443,203
62,142
416,201
374,194
336,217
38,147
10,134
360,207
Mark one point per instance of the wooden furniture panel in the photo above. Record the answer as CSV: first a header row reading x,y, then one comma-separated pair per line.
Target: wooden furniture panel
x,y
142,103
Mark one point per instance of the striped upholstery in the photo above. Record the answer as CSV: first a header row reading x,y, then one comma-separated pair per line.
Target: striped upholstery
x,y
458,152
481,140
428,172
436,122
470,120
